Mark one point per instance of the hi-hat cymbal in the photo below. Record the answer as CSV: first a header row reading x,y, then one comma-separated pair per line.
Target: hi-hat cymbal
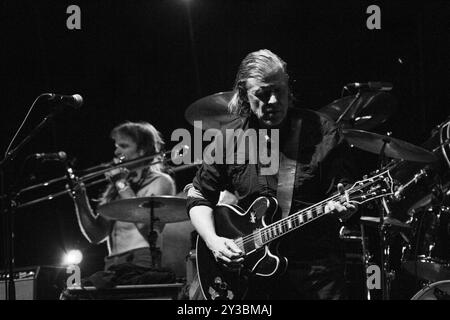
x,y
394,148
166,209
212,110
368,111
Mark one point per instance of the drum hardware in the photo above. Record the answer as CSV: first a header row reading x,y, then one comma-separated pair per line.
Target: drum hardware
x,y
444,139
347,109
155,210
430,263
365,110
398,194
385,147
438,144
387,275
427,257
155,252
435,197
366,257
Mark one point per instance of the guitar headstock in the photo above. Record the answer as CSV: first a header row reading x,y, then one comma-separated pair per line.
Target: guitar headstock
x,y
368,189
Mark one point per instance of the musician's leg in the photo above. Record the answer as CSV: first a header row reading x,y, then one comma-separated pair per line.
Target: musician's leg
x,y
311,281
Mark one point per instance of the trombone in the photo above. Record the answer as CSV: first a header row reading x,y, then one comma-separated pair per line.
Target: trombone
x,y
97,173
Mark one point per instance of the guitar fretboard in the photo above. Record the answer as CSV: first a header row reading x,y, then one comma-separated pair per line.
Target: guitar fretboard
x,y
361,192
290,223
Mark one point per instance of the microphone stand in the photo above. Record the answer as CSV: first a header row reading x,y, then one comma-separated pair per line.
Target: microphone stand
x,y
9,209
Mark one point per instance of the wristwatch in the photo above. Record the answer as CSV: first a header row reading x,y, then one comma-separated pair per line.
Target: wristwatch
x,y
121,185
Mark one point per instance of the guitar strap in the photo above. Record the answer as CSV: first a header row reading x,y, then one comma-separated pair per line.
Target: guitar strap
x,y
287,169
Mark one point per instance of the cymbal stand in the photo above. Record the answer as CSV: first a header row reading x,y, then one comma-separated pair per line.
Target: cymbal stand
x,y
152,237
365,258
386,274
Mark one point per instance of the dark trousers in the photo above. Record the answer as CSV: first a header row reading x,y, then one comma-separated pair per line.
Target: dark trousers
x,y
140,257
316,280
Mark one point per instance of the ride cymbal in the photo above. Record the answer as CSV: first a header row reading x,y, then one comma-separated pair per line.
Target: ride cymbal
x,y
393,148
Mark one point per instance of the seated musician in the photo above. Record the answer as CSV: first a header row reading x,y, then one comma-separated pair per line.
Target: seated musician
x,y
128,243
316,259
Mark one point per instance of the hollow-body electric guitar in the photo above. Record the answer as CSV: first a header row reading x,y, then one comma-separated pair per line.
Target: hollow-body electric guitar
x,y
255,232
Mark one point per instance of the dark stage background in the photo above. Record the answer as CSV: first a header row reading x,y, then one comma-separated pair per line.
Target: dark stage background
x,y
149,60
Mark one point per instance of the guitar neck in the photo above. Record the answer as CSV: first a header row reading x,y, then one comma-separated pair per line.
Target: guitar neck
x,y
369,189
294,221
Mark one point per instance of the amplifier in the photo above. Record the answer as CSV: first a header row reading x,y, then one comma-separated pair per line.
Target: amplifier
x,y
36,282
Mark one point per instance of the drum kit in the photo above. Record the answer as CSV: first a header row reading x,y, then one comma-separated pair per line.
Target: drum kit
x,y
426,253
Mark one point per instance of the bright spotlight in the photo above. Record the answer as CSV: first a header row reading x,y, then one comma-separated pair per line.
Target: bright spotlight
x,y
72,257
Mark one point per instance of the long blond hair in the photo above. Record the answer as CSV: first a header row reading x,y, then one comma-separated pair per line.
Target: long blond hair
x,y
256,65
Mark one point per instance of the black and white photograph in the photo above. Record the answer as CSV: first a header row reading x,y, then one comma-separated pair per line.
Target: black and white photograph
x,y
245,152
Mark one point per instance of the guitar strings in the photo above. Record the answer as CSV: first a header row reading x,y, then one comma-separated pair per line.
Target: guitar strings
x,y
251,237
283,222
303,212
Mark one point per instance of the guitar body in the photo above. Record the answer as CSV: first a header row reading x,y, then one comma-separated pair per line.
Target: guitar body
x,y
257,232
261,262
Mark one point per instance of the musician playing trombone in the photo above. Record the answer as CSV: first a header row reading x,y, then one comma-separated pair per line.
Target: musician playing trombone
x,y
127,241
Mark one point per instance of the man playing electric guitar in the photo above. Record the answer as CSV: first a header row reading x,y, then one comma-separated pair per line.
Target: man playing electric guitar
x,y
314,162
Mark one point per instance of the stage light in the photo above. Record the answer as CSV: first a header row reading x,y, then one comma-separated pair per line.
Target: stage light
x,y
72,257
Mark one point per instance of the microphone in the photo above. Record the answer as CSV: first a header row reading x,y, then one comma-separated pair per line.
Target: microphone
x,y
373,85
75,101
57,156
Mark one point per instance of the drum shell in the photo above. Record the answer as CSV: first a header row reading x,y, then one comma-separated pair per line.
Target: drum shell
x,y
436,291
430,235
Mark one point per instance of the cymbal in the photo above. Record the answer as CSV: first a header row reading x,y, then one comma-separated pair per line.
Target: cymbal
x,y
368,111
212,110
387,221
394,148
166,209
